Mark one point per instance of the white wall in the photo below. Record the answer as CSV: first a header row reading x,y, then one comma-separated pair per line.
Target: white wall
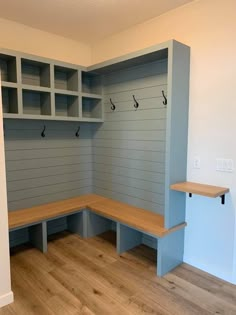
x,y
6,295
209,28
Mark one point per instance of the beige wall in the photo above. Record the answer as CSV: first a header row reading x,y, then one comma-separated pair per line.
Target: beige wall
x,y
200,24
19,37
209,28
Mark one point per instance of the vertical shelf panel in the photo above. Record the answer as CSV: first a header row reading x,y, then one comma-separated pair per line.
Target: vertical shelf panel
x,y
35,73
65,78
36,103
8,68
177,131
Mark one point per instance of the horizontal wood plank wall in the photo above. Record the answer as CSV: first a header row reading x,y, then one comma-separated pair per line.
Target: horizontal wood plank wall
x,y
41,170
129,148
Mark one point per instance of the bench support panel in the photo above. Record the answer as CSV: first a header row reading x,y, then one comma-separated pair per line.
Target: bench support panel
x,y
38,236
127,238
96,224
75,223
170,252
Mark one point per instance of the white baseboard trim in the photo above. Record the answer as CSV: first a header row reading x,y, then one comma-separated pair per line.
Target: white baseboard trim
x,y
6,299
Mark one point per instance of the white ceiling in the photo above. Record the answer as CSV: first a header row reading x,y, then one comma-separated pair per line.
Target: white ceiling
x,y
84,20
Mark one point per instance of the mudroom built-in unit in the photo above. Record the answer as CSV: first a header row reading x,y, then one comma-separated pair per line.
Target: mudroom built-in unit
x,y
117,129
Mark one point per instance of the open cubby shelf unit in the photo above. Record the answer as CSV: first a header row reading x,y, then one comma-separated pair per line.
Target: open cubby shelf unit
x,y
38,88
134,156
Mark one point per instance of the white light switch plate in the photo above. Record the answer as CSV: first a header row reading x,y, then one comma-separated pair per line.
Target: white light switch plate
x,y
224,165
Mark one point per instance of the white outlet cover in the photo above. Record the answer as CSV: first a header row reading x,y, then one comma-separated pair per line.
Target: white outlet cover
x,y
196,162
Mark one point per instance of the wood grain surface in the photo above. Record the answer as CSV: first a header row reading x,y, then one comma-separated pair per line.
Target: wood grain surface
x,y
200,189
138,218
87,277
46,211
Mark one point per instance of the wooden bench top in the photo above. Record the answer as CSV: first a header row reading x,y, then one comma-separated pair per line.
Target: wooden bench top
x,y
138,218
44,212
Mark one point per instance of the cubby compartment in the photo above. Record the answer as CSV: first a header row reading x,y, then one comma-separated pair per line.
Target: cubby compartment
x,y
19,237
57,225
72,223
35,73
9,100
66,105
91,83
65,78
92,107
8,68
36,103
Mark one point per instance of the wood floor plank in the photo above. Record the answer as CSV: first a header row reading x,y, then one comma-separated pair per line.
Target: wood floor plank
x,y
201,279
86,277
91,295
140,305
198,296
109,283
26,301
92,253
151,287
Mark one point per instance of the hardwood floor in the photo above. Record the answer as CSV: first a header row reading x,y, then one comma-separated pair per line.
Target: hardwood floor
x,y
87,277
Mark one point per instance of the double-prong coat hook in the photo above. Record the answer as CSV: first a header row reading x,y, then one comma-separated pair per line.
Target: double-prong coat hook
x,y
43,132
136,104
165,99
113,106
77,132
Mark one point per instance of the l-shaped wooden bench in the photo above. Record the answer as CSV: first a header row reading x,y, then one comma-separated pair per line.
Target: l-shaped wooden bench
x,y
90,215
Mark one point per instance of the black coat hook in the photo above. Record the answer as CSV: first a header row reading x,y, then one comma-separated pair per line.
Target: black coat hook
x,y
113,106
136,104
43,132
77,132
165,99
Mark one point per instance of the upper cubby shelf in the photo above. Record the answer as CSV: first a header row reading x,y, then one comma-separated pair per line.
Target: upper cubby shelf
x,y
36,103
38,88
67,91
66,105
8,68
201,189
91,107
65,78
91,83
35,73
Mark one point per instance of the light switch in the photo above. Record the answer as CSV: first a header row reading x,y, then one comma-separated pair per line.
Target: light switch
x,y
224,165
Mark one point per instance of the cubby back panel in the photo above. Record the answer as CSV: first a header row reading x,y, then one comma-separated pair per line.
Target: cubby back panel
x,y
129,147
41,170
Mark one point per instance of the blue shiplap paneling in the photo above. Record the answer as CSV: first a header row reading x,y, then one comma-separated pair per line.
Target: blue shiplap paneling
x,y
41,170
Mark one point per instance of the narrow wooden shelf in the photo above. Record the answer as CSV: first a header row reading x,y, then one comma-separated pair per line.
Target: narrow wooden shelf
x,y
201,189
